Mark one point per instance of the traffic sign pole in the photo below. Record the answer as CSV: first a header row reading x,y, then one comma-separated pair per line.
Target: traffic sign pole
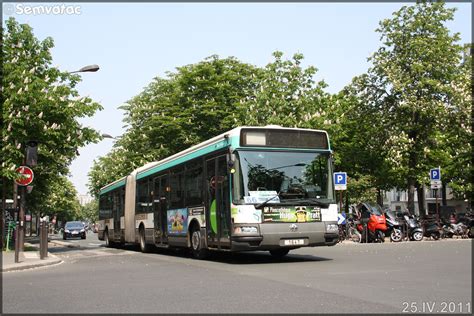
x,y
435,178
340,201
25,178
15,210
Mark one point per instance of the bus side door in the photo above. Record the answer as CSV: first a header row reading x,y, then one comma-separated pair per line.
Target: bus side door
x,y
218,207
160,202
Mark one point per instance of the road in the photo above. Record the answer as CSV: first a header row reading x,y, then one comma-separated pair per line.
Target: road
x,y
348,278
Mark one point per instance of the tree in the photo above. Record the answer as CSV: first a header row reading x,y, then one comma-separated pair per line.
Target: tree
x,y
40,103
457,140
414,79
61,201
90,211
191,105
287,95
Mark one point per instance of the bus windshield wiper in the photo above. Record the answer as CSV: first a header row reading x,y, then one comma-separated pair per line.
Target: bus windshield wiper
x,y
314,201
266,201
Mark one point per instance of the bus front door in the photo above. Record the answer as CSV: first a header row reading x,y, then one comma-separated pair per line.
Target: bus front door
x,y
218,207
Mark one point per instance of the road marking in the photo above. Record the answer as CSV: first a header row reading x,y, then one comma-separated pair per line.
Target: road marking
x,y
92,244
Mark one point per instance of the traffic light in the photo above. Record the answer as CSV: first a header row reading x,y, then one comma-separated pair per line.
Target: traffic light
x,y
31,153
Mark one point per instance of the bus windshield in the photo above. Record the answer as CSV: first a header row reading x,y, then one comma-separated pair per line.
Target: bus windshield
x,y
283,176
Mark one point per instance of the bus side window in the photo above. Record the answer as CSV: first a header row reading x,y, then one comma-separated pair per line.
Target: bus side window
x,y
193,185
177,193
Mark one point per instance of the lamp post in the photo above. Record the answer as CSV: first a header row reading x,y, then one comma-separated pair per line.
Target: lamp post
x,y
19,245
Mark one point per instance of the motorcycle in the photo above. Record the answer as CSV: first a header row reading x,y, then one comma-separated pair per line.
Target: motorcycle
x,y
468,220
394,229
352,232
373,225
451,229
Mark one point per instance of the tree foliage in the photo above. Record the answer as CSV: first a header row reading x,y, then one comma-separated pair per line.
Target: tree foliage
x,y
40,103
285,94
190,105
89,212
415,91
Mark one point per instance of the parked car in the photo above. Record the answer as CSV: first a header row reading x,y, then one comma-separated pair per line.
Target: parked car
x,y
74,229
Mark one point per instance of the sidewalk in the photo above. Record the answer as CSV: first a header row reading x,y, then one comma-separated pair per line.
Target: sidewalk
x,y
28,259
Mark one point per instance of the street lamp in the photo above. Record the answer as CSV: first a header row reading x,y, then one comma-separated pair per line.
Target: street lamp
x,y
109,136
89,68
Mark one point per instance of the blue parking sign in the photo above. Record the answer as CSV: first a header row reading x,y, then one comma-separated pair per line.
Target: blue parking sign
x,y
435,174
340,180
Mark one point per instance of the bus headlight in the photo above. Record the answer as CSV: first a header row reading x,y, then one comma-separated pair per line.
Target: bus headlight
x,y
332,227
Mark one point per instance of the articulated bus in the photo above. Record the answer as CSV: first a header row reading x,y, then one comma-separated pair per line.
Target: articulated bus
x,y
252,188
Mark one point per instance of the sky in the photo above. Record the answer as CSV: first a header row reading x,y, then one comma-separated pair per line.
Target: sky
x,y
135,42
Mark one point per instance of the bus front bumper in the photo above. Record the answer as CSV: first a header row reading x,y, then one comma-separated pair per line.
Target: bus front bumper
x,y
276,235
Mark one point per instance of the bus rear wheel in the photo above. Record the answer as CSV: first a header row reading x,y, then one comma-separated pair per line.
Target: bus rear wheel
x,y
197,248
280,252
107,239
143,245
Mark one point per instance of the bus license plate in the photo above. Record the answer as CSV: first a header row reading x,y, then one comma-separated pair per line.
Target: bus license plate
x,y
293,242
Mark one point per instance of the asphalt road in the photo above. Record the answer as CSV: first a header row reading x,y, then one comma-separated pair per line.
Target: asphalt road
x,y
428,276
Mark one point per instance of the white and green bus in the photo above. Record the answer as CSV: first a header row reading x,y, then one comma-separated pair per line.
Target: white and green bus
x,y
252,188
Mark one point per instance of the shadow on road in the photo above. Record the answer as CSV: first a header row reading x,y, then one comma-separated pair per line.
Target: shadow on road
x,y
249,257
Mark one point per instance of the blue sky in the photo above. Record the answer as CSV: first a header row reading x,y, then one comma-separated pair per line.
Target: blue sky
x,y
135,42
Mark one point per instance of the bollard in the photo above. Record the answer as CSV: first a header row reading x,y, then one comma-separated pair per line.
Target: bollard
x,y
17,245
41,240
46,242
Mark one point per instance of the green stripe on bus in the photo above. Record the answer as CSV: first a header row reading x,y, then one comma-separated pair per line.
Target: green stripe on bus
x,y
198,153
113,187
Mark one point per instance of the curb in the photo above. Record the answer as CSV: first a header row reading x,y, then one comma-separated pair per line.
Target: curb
x,y
47,262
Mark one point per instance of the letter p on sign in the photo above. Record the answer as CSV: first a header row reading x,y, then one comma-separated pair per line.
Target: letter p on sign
x,y
435,174
340,180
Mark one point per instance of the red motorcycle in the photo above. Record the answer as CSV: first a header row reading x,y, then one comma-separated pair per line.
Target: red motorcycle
x,y
372,222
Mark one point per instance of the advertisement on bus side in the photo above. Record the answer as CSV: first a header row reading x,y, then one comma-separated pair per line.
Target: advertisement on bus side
x,y
177,221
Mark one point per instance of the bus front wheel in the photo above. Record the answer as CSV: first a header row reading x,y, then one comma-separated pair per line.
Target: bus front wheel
x,y
280,252
197,248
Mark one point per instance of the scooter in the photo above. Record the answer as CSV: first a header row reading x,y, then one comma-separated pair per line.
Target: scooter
x,y
394,229
373,224
414,230
430,228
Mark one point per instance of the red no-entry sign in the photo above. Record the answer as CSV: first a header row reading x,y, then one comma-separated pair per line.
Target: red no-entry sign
x,y
26,175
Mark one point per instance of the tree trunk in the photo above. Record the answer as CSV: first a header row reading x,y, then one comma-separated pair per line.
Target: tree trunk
x,y
379,197
443,194
4,207
411,196
420,191
412,161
